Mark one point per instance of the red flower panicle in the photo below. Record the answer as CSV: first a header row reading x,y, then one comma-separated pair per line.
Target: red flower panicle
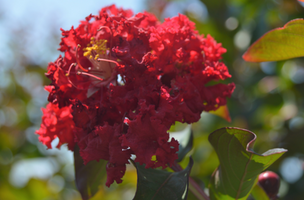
x,y
124,80
57,122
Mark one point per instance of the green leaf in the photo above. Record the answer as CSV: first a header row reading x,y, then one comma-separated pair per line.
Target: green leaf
x,y
258,193
239,164
185,139
160,184
88,177
278,44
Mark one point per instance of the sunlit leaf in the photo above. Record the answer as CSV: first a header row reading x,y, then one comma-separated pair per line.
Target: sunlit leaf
x,y
88,177
185,139
222,112
158,184
278,44
258,193
239,164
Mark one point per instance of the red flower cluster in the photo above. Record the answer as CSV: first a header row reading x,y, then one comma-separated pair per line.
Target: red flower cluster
x,y
124,80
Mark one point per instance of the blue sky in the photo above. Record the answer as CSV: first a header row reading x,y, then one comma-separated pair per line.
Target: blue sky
x,y
40,20
65,12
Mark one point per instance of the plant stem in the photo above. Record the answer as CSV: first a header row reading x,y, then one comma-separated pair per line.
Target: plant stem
x,y
193,186
197,190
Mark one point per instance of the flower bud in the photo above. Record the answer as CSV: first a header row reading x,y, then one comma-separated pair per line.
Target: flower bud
x,y
270,182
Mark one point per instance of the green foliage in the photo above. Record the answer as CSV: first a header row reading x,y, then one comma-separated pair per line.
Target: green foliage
x,y
239,165
88,177
278,44
159,184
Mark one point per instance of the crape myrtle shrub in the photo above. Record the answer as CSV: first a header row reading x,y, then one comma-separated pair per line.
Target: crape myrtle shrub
x,y
124,80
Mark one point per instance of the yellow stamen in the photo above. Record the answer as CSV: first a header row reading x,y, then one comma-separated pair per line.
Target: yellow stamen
x,y
99,47
153,158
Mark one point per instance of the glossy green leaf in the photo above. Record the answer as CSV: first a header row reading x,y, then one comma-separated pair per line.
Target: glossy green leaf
x,y
159,184
88,177
185,139
239,164
278,44
258,193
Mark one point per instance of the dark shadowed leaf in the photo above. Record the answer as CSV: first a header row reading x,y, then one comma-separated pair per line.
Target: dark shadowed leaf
x,y
88,177
158,184
239,164
185,139
278,44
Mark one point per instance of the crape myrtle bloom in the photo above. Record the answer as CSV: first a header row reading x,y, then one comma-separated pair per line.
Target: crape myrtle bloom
x,y
124,80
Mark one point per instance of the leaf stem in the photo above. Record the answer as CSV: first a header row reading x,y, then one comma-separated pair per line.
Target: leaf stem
x,y
193,186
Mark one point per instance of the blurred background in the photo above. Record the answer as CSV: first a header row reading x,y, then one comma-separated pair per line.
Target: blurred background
x,y
268,99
